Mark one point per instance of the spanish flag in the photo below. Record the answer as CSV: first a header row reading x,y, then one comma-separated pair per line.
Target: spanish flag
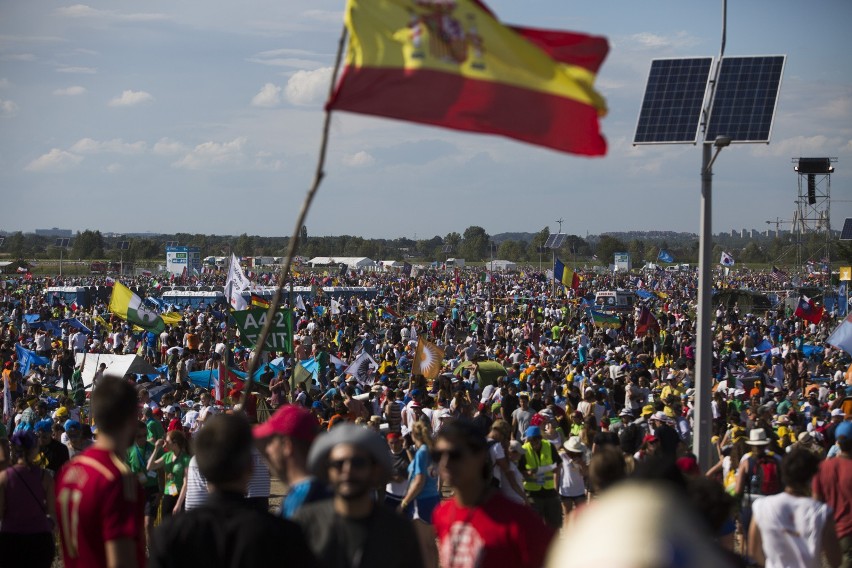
x,y
562,273
451,63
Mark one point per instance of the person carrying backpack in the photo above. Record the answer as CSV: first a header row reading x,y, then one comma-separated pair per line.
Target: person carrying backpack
x,y
758,475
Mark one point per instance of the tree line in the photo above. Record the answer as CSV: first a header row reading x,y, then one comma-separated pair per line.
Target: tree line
x,y
474,245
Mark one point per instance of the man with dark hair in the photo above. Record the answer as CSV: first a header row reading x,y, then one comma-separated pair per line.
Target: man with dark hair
x,y
791,528
351,529
227,530
99,500
833,485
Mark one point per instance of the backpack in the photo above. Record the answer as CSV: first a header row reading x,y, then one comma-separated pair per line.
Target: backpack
x,y
765,475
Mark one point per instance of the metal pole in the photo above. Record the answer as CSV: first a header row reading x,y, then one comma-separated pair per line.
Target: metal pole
x,y
60,261
703,421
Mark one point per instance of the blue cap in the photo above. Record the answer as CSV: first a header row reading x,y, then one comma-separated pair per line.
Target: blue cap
x,y
843,429
45,425
532,432
71,424
316,404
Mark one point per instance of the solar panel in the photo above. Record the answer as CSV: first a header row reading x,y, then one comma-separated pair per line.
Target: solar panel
x,y
447,248
124,245
674,94
555,241
846,233
62,242
745,98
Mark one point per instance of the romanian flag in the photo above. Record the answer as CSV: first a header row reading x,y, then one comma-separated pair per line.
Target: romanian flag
x,y
605,320
562,273
259,301
451,63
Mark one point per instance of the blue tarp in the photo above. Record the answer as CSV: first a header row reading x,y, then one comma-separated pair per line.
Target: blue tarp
x,y
53,326
644,294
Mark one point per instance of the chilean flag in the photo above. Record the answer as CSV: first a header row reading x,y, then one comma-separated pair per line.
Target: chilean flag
x,y
808,311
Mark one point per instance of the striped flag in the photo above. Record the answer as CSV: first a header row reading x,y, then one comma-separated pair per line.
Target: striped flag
x,y
565,275
453,64
605,320
778,275
259,301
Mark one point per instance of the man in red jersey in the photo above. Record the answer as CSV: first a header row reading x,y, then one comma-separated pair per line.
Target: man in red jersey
x,y
99,501
479,527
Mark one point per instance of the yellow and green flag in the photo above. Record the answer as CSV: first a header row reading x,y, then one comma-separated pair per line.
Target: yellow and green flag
x,y
128,306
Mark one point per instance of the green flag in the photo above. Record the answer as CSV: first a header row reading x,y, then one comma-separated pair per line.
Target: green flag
x,y
251,321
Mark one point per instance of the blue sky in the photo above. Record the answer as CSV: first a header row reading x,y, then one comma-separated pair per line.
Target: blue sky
x,y
205,117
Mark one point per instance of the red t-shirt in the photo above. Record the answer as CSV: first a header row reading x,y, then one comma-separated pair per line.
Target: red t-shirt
x,y
834,483
98,499
499,533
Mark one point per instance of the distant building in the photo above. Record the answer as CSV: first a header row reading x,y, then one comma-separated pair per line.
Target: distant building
x,y
54,232
351,262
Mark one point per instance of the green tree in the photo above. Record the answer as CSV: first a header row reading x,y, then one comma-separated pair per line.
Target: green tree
x,y
474,245
607,247
14,244
244,245
511,250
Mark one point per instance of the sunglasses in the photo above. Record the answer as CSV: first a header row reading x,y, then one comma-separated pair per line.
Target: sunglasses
x,y
453,455
358,462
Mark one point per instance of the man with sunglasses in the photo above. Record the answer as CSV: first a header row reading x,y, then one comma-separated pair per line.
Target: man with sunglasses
x,y
480,527
352,530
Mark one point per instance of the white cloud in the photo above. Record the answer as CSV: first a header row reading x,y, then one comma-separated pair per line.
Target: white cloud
x,y
113,168
83,70
330,16
8,108
652,41
70,91
168,147
308,87
358,159
131,98
293,62
213,154
801,146
114,146
18,57
54,161
82,11
268,97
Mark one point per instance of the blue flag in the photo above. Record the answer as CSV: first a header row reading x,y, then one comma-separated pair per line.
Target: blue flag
x,y
665,256
28,358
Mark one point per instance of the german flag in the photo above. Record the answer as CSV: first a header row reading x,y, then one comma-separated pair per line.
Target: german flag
x,y
451,63
259,301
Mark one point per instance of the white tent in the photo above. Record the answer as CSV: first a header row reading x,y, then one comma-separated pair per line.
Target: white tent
x,y
501,265
116,365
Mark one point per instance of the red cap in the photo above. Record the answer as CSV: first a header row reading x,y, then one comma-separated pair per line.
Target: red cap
x,y
394,436
649,438
289,420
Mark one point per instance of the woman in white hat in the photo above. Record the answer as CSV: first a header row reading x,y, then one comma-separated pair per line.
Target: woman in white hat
x,y
572,484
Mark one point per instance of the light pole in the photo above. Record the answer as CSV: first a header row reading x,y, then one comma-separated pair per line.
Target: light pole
x,y
704,356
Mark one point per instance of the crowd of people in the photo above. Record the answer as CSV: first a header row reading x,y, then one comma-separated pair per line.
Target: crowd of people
x,y
542,421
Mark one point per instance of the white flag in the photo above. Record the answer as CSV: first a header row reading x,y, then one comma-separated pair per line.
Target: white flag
x,y
726,260
361,367
236,284
300,304
335,307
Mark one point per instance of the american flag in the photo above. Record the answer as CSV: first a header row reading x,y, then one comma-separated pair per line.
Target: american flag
x,y
778,275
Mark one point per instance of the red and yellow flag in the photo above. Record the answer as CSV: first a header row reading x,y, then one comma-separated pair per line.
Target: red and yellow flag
x,y
451,63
